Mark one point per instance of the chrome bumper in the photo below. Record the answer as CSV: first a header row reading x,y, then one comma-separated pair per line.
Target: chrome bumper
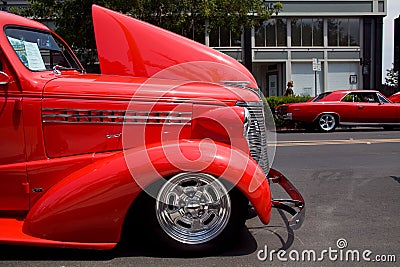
x,y
285,117
294,205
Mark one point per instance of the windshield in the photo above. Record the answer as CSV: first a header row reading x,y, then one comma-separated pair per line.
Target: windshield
x,y
40,51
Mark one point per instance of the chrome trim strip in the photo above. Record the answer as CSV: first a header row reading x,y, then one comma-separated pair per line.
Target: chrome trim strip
x,y
115,122
60,115
115,111
249,104
79,116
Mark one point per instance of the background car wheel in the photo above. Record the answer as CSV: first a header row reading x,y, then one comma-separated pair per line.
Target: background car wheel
x,y
326,122
193,213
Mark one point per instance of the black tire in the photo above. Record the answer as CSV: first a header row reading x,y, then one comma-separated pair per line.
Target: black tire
x,y
327,122
156,228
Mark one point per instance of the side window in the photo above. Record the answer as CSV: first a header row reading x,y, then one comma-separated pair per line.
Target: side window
x,y
368,98
39,50
358,97
348,98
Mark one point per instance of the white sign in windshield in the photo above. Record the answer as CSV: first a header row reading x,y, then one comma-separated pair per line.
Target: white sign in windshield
x,y
28,53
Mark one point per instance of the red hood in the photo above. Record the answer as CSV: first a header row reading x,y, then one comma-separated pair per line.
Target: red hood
x,y
130,47
92,86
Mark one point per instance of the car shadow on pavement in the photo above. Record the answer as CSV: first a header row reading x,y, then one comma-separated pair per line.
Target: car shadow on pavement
x,y
283,233
245,245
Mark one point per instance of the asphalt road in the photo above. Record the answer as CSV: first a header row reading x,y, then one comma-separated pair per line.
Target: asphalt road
x,y
350,180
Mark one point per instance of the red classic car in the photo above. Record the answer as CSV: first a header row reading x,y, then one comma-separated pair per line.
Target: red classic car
x,y
343,107
395,98
169,141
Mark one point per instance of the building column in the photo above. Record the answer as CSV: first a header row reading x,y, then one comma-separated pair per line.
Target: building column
x,y
288,63
366,57
378,53
396,60
247,49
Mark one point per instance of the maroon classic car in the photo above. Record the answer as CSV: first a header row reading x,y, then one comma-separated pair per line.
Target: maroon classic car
x,y
343,107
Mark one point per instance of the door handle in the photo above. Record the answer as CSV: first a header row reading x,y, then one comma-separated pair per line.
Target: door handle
x,y
360,107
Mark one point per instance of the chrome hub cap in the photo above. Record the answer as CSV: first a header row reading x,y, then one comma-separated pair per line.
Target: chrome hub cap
x,y
193,208
327,122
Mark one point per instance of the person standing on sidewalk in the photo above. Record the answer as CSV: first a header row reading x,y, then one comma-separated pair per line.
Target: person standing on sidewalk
x,y
289,89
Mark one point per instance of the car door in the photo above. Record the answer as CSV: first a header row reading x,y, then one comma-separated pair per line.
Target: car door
x,y
14,187
370,109
347,109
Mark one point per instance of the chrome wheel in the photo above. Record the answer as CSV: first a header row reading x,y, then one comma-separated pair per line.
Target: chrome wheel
x,y
327,122
193,208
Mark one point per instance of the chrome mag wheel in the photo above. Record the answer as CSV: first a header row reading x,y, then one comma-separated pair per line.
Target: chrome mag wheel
x,y
193,208
327,122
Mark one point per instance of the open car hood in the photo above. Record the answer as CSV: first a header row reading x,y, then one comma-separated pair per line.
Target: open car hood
x,y
130,47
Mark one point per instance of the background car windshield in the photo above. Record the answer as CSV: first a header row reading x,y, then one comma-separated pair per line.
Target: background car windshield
x,y
40,51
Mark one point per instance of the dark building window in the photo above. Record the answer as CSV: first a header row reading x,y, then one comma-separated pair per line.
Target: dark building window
x,y
354,32
344,32
196,33
271,32
307,32
223,37
281,32
318,32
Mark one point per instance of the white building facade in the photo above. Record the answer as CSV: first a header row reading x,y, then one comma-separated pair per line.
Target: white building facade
x,y
321,45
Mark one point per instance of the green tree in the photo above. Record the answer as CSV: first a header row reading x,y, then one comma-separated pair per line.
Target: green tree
x,y
392,78
74,22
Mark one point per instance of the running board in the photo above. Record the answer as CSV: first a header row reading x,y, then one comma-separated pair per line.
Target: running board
x,y
11,234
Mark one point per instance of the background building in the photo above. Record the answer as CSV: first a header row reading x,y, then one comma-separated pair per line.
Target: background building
x,y
344,36
5,5
321,45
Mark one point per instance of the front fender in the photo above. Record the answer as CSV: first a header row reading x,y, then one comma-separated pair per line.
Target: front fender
x,y
90,205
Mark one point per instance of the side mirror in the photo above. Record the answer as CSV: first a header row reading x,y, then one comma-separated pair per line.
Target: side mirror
x,y
4,78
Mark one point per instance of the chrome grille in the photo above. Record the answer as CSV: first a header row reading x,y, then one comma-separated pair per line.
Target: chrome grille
x,y
257,136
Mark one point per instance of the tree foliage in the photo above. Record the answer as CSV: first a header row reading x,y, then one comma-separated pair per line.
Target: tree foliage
x,y
392,78
74,21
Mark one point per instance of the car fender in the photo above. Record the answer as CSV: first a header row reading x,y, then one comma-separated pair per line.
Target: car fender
x,y
90,205
328,112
